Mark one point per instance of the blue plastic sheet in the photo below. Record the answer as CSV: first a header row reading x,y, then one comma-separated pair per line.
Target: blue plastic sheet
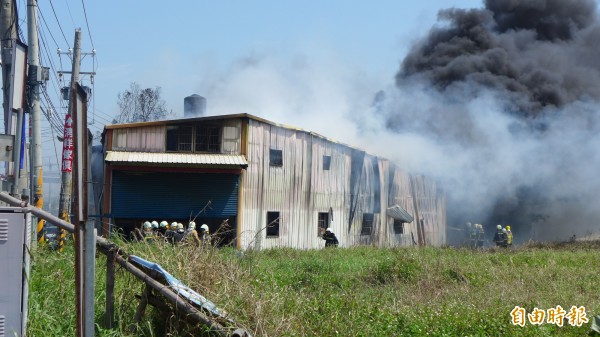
x,y
180,288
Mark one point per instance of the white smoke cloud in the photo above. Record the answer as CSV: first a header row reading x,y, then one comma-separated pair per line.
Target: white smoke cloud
x,y
477,151
315,93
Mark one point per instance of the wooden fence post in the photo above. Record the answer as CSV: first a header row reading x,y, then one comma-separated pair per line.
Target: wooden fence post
x,y
109,315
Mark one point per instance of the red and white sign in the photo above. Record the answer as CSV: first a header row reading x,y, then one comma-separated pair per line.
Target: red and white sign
x,y
67,154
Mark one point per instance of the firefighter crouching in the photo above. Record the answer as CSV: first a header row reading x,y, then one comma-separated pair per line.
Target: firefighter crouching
x,y
330,239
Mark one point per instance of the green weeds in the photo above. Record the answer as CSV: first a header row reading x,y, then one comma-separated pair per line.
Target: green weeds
x,y
361,291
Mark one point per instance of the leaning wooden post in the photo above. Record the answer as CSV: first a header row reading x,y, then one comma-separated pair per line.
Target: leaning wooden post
x,y
109,315
143,303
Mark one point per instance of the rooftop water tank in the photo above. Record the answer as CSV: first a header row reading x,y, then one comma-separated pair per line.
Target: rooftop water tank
x,y
194,106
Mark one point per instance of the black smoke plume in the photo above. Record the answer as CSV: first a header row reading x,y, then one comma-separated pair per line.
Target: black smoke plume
x,y
509,92
540,52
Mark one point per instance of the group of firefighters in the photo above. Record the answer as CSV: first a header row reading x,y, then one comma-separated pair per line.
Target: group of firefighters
x,y
476,236
503,237
174,233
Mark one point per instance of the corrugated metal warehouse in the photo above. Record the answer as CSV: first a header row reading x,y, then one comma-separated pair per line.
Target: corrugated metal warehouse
x,y
278,186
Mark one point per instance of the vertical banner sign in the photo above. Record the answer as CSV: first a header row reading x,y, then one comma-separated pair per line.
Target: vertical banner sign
x,y
66,163
67,154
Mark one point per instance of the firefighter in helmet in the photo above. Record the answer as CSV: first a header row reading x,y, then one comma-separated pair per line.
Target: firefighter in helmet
x,y
499,236
330,239
192,235
509,236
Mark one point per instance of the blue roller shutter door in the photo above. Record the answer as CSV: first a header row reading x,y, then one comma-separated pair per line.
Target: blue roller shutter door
x,y
158,195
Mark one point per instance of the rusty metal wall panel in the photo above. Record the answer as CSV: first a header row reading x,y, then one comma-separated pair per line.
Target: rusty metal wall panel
x,y
231,136
142,139
119,139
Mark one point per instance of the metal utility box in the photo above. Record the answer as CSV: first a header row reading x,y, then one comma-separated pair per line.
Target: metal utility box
x,y
15,238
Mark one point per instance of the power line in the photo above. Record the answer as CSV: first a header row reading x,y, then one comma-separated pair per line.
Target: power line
x,y
70,15
45,49
88,25
48,28
58,22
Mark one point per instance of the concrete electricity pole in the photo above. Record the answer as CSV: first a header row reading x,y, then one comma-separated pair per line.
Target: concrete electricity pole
x,y
67,158
35,77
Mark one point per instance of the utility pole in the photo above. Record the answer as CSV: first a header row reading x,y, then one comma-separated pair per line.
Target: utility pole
x,y
35,77
67,157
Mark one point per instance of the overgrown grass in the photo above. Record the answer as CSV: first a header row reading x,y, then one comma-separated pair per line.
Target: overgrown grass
x,y
362,291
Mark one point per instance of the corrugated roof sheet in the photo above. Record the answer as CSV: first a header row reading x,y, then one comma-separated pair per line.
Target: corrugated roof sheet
x,y
176,158
399,213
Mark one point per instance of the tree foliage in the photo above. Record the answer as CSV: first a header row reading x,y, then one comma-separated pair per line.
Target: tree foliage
x,y
141,105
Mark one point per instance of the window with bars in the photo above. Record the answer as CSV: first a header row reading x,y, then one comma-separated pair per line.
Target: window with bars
x,y
180,138
194,138
208,138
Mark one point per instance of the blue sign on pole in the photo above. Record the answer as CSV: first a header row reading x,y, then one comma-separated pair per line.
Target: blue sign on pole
x,y
22,155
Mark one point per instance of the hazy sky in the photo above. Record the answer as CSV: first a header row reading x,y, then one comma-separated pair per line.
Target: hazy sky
x,y
318,65
188,47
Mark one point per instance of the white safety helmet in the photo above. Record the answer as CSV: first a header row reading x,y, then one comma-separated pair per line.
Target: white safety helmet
x,y
499,227
173,225
328,230
503,230
205,227
192,225
163,224
147,224
154,224
180,226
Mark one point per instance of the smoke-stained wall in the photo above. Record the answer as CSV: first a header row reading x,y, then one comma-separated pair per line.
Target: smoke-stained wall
x,y
354,184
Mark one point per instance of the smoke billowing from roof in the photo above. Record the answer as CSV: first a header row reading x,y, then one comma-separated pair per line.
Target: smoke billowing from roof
x,y
501,104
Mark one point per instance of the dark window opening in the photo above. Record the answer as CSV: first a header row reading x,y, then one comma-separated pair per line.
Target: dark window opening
x,y
273,224
367,224
179,138
323,222
276,157
208,138
326,163
398,226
